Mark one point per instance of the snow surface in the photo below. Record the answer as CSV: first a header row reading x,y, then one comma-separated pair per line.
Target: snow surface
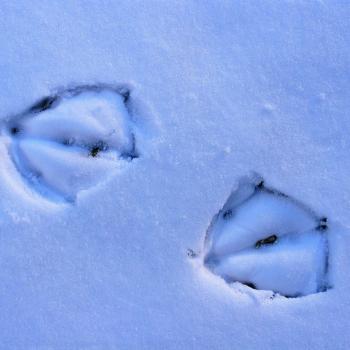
x,y
219,89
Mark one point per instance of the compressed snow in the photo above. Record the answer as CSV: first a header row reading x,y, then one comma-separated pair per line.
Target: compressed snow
x,y
294,267
87,118
64,171
260,216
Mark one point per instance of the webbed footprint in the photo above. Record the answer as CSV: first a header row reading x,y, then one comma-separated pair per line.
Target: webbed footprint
x,y
266,240
72,140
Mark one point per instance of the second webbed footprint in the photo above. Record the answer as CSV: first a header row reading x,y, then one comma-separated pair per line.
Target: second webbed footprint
x,y
266,240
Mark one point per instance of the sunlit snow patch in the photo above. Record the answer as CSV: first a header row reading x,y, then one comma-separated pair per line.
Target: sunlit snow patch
x,y
268,241
72,140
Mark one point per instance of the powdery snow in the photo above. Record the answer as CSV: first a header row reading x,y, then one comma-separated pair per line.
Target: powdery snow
x,y
218,90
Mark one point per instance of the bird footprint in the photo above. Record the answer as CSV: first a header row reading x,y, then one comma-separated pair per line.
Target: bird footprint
x,y
266,240
72,140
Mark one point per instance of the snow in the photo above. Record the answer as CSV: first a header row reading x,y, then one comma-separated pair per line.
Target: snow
x,y
293,268
217,90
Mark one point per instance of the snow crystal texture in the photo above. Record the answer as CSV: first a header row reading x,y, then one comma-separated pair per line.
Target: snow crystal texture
x,y
218,89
